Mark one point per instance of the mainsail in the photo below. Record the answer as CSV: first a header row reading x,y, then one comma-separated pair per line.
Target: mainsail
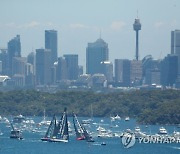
x,y
79,130
50,130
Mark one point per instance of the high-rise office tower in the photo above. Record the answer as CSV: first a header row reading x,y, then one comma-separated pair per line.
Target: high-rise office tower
x,y
51,43
72,66
14,50
31,58
137,27
150,70
175,42
5,62
61,69
122,71
96,53
18,66
43,66
136,72
175,48
107,70
169,70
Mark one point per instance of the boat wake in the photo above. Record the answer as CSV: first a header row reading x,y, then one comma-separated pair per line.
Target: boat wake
x,y
178,148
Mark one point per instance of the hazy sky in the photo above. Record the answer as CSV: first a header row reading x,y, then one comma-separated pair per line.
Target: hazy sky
x,y
80,21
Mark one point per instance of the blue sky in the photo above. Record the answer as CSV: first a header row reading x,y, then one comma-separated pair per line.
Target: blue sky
x,y
80,21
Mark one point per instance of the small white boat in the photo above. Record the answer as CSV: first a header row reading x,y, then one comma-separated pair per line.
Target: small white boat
x,y
137,129
102,132
176,134
117,117
162,131
86,122
19,119
127,118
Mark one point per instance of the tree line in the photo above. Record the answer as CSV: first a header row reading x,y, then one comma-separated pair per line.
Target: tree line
x,y
149,107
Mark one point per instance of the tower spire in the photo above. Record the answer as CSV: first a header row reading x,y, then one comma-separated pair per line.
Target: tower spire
x,y
137,27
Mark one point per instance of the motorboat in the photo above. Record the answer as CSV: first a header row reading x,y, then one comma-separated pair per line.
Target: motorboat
x,y
117,117
19,119
86,122
127,118
102,132
137,129
162,131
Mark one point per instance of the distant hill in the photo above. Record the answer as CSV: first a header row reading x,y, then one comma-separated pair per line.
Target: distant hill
x,y
150,107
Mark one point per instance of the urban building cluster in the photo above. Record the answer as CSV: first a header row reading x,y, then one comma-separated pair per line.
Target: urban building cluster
x,y
44,69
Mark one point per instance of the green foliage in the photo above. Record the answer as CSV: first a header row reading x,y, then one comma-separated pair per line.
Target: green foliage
x,y
148,107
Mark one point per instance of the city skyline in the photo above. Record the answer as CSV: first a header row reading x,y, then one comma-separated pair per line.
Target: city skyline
x,y
77,26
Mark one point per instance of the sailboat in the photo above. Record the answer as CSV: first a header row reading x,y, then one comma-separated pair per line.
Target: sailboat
x,y
88,138
78,129
61,133
81,133
15,133
44,122
50,130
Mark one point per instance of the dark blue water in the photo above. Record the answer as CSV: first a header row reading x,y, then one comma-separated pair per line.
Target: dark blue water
x,y
31,144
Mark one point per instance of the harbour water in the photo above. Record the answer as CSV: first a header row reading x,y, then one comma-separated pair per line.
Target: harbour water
x,y
32,144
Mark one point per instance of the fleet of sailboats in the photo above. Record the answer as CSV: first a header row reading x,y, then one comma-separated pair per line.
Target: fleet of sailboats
x,y
57,132
61,133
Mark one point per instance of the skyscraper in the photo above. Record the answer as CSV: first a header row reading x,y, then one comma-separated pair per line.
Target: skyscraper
x,y
136,72
175,42
137,27
72,66
107,70
14,50
43,66
169,70
122,71
96,53
61,70
5,62
18,66
175,47
51,43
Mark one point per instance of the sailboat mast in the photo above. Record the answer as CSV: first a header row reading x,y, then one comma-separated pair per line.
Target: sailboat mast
x,y
91,112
